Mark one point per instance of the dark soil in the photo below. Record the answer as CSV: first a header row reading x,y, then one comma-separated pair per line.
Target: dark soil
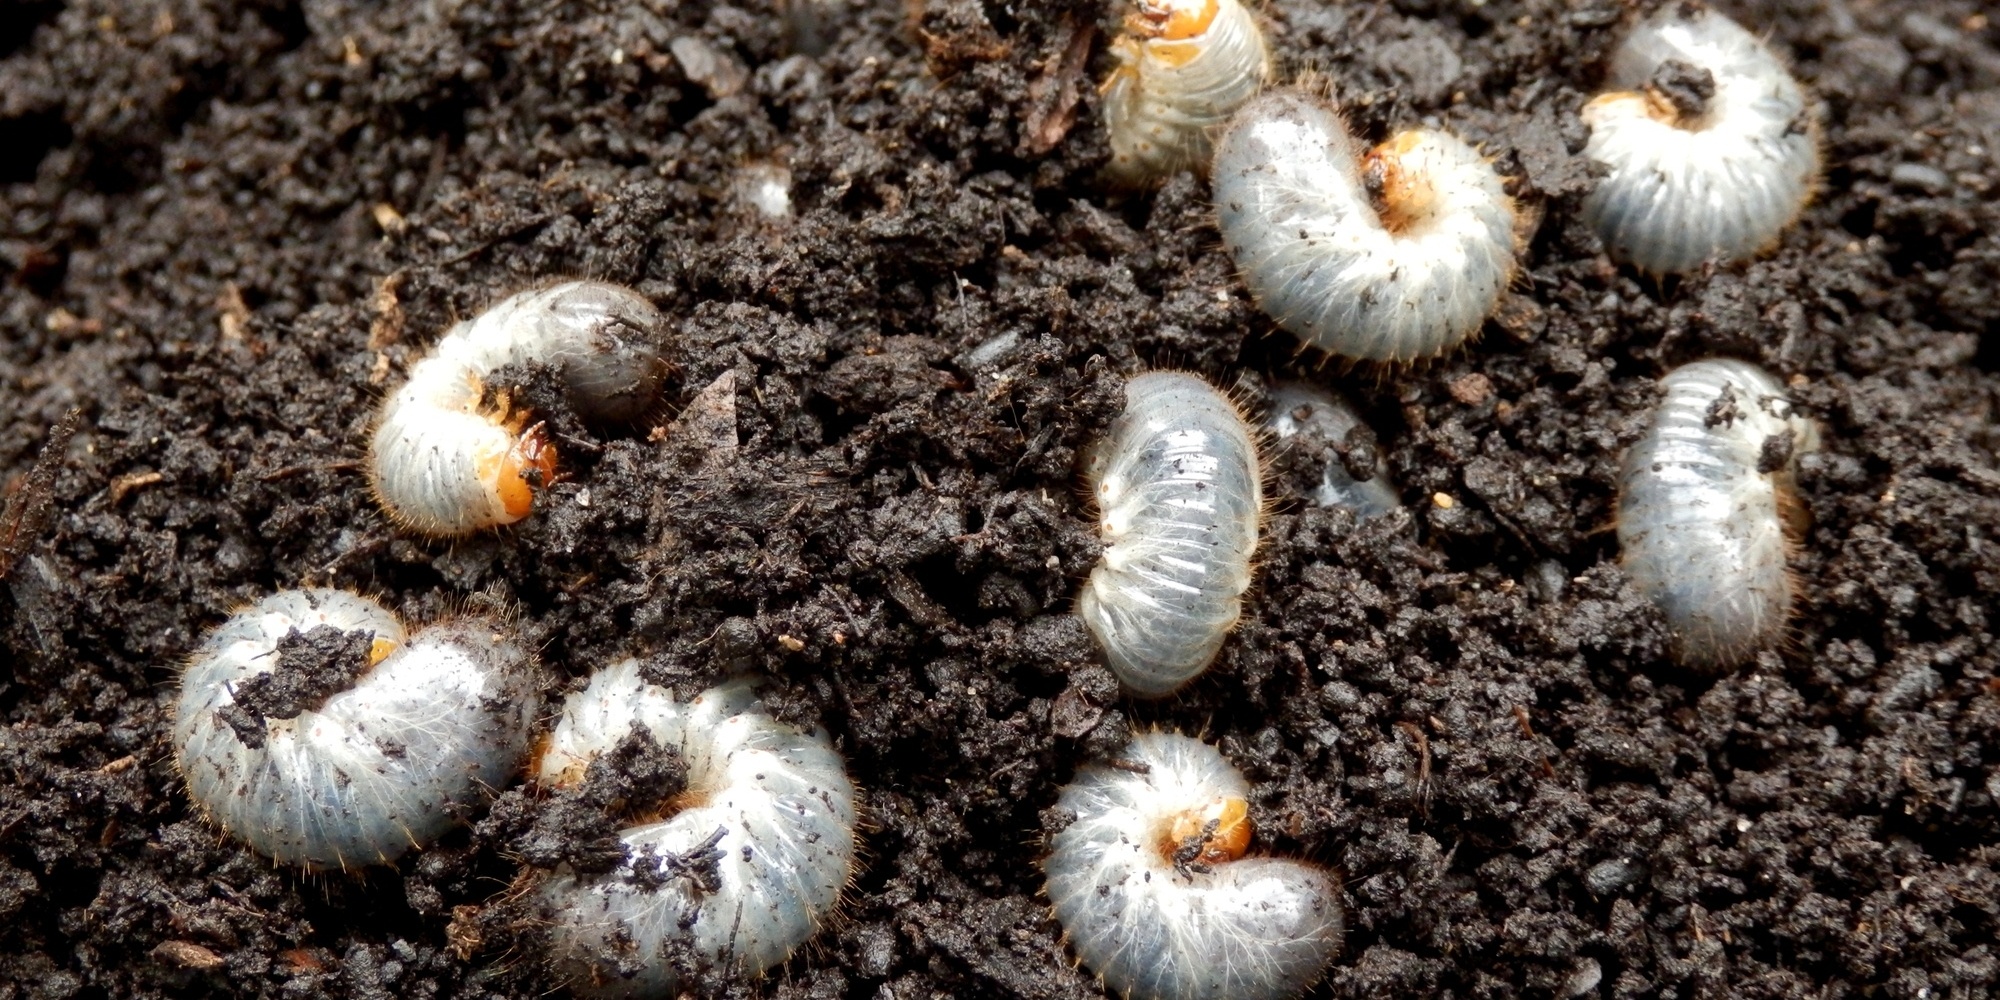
x,y
229,226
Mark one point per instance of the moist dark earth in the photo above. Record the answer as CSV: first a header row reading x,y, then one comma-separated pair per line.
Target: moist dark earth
x,y
228,229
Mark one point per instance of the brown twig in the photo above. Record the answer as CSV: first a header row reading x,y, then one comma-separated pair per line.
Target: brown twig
x,y
1423,765
1052,97
1528,730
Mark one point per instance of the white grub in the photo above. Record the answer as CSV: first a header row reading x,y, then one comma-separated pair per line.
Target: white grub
x,y
1183,67
1152,890
418,741
1707,511
750,861
1179,493
1393,254
1708,151
446,459
1324,416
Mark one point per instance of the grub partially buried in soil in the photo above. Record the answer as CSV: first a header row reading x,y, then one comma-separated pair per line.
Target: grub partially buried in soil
x,y
227,229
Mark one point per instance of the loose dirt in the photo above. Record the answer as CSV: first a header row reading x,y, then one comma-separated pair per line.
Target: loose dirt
x,y
227,228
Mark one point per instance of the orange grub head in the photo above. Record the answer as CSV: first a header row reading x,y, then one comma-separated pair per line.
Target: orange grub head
x,y
1215,834
1649,102
542,746
530,462
1660,108
1172,20
1403,197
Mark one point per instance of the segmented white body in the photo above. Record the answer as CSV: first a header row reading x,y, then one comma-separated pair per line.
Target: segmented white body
x,y
1184,66
773,804
1243,929
1408,277
1297,407
421,740
1718,186
1179,493
1702,529
444,463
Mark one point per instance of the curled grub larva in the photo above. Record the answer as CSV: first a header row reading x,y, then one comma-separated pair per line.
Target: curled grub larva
x,y
1183,66
1707,512
448,459
312,727
1394,254
1708,149
1297,407
1151,887
747,864
1179,492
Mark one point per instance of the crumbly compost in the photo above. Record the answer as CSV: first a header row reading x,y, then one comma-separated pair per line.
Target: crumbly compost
x,y
227,228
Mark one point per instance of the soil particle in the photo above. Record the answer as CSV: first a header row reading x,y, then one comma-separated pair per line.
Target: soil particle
x,y
311,667
226,229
